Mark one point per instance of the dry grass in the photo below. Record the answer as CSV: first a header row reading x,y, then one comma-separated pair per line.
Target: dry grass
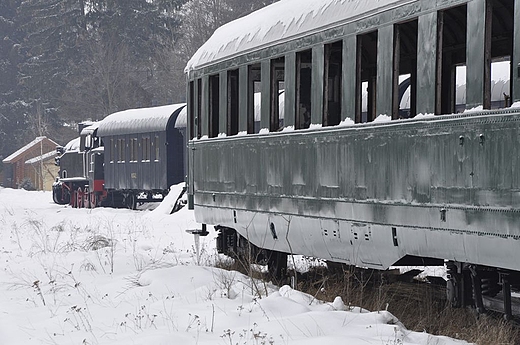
x,y
420,307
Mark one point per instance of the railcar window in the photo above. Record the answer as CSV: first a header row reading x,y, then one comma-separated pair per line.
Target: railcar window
x,y
501,83
277,85
112,150
405,70
121,150
304,91
232,99
332,84
460,89
502,33
366,76
191,109
452,26
198,115
133,150
156,145
214,86
145,144
254,88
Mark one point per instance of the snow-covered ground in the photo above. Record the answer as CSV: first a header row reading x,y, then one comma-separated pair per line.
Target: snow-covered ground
x,y
115,276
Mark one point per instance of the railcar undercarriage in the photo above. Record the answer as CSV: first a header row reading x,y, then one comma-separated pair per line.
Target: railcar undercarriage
x,y
485,288
480,287
232,244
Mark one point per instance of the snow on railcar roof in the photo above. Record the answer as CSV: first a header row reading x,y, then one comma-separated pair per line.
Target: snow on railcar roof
x,y
182,118
138,120
280,21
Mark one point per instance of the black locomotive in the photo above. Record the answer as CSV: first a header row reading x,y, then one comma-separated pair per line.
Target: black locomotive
x,y
130,157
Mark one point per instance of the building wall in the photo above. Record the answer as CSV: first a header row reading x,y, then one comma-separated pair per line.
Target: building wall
x,y
42,181
18,167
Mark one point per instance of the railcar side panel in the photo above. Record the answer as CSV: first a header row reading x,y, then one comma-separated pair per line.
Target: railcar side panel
x,y
441,183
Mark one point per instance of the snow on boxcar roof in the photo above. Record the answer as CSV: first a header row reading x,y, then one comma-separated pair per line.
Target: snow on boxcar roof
x,y
135,121
280,21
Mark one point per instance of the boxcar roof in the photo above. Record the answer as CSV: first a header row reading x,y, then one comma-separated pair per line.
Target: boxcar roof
x,y
281,21
142,120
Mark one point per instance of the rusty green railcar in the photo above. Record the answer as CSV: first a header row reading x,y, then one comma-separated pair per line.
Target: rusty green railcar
x,y
334,171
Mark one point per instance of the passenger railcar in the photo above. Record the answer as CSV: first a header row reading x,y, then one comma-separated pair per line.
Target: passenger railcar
x,y
130,157
334,180
144,151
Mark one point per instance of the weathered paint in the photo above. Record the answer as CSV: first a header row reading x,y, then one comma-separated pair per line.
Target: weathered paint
x,y
475,53
242,98
516,55
442,184
385,63
317,84
349,78
427,63
290,90
223,102
374,176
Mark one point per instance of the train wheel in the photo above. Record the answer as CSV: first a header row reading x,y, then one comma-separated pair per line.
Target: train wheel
x,y
74,199
79,198
131,201
93,200
56,197
459,287
86,198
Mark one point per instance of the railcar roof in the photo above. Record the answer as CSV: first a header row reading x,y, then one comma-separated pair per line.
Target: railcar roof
x,y
135,121
281,21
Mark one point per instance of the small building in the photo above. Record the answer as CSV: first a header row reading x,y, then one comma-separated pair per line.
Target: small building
x,y
42,170
31,164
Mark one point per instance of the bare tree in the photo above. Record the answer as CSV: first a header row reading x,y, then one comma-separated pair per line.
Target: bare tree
x,y
108,82
200,18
